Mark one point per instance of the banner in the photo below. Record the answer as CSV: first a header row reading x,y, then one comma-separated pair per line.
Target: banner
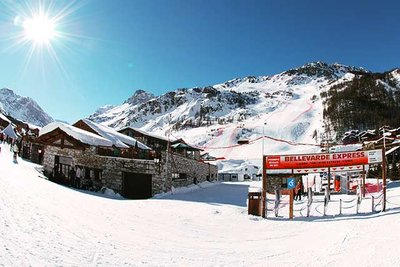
x,y
314,161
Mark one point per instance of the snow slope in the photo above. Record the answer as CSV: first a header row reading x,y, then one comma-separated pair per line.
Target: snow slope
x,y
287,108
45,224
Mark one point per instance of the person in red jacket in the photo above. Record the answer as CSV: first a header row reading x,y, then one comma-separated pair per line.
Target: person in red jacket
x,y
337,183
298,190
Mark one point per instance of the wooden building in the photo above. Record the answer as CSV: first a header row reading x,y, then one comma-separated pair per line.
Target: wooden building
x,y
156,142
4,121
133,175
159,143
123,146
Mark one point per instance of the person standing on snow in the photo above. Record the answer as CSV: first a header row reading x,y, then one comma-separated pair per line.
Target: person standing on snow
x,y
78,177
15,150
72,177
298,190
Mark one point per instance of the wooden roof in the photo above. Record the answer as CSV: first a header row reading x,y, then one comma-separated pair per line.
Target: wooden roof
x,y
59,138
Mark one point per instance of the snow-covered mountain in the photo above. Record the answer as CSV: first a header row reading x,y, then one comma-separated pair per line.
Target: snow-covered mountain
x,y
22,108
231,101
294,94
288,107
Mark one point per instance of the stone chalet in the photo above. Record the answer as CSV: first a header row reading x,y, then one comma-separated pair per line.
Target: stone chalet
x,y
159,143
156,142
119,162
26,135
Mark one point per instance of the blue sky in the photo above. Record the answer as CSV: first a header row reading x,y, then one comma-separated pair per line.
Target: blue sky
x,y
110,48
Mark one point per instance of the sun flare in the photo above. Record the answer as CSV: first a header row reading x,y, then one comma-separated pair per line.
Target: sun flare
x,y
47,31
39,29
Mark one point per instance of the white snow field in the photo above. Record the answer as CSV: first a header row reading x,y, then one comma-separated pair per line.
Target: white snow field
x,y
46,224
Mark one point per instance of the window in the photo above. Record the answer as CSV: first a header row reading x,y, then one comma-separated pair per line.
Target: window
x,y
179,176
90,173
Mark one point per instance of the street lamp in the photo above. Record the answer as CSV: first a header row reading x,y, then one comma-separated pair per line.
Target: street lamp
x,y
263,137
384,168
264,178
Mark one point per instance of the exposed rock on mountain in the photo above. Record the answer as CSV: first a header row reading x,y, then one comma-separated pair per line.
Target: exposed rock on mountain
x,y
23,108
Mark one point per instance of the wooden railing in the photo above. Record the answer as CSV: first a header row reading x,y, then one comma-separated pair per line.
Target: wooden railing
x,y
130,153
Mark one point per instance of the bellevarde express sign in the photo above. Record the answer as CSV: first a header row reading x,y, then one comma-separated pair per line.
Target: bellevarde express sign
x,y
323,160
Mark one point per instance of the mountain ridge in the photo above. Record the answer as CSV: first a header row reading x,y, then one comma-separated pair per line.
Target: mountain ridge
x,y
227,93
296,106
23,108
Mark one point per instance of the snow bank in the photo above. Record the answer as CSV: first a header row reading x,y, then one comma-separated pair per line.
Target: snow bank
x,y
46,224
186,189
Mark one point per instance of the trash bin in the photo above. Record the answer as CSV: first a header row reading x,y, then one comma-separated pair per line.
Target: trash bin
x,y
254,207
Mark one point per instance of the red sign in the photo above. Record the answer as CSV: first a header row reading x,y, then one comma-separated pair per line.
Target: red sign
x,y
310,161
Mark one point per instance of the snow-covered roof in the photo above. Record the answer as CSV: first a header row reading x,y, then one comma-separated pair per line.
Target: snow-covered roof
x,y
79,134
184,146
4,118
118,139
33,126
148,134
391,150
345,148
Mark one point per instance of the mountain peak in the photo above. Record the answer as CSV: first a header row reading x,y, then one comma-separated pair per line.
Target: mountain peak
x,y
7,92
22,108
323,69
139,96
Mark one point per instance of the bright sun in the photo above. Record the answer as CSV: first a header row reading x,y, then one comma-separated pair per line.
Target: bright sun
x,y
39,29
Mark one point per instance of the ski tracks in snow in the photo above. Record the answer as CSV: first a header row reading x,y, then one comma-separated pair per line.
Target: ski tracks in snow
x,y
310,107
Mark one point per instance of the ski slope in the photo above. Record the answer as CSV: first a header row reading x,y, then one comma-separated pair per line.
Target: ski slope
x,y
45,224
270,115
293,119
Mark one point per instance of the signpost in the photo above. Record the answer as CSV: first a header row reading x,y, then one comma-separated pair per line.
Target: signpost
x,y
291,184
313,163
323,161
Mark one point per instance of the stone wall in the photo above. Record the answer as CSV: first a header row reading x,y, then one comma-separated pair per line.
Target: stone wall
x,y
36,157
196,171
114,167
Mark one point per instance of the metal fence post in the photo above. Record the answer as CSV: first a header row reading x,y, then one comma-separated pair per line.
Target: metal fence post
x,y
340,210
309,200
277,200
373,204
357,207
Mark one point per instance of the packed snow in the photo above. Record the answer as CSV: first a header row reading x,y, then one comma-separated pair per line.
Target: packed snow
x,y
46,224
